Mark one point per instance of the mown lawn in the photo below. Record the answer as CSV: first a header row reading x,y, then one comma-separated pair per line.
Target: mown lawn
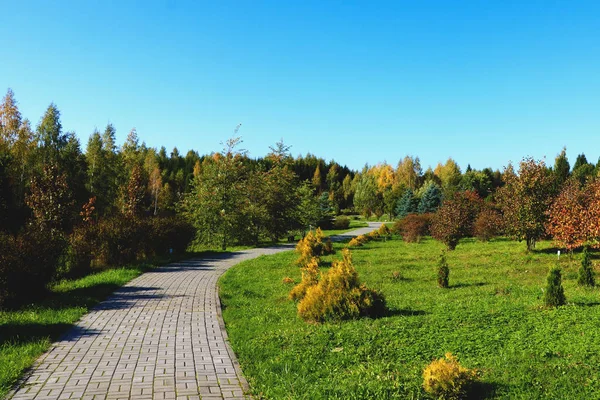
x,y
491,318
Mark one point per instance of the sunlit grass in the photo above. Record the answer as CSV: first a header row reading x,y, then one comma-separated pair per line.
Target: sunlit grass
x,y
491,317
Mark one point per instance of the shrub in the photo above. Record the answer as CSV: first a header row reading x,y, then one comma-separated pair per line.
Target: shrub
x,y
339,295
554,294
28,262
311,246
396,276
488,224
445,378
443,272
354,242
586,272
455,218
413,227
373,235
288,280
341,223
328,247
310,275
384,230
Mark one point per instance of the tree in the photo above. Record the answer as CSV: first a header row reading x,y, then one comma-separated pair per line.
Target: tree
x,y
10,121
561,168
50,137
525,200
317,180
455,218
568,216
554,294
586,271
408,172
50,200
407,204
308,211
431,198
449,175
365,197
216,202
136,192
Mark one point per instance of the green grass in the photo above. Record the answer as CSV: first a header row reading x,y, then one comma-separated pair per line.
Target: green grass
x,y
491,317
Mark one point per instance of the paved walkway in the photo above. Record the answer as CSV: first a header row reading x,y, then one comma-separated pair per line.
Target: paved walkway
x,y
161,336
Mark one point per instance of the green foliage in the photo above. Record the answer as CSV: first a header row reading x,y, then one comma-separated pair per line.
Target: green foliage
x,y
431,199
341,223
561,168
443,272
554,294
28,263
407,204
366,200
446,379
586,271
525,200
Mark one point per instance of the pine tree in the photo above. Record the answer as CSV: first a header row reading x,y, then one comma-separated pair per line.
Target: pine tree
x,y
50,136
586,271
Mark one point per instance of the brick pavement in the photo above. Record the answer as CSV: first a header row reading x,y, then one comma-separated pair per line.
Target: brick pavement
x,y
161,336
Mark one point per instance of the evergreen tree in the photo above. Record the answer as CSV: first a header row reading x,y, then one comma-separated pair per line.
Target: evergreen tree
x,y
50,137
431,199
443,272
554,295
561,168
407,204
586,271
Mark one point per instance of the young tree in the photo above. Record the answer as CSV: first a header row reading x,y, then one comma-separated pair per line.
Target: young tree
x,y
561,168
525,199
586,271
407,204
431,198
455,218
450,176
50,137
365,197
10,121
568,216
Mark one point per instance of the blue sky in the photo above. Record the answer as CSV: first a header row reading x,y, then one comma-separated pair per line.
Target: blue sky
x,y
484,82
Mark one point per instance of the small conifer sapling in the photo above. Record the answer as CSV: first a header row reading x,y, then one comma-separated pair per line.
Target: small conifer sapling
x,y
443,272
586,272
554,295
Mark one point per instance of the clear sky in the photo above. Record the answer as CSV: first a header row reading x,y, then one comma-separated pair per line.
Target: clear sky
x,y
356,81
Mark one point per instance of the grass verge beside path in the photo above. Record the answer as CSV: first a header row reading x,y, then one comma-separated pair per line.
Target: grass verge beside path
x,y
491,318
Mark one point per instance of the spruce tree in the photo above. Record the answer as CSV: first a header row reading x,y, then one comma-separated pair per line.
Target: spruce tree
x,y
431,199
407,204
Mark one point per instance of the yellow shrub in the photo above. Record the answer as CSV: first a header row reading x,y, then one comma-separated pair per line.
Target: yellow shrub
x,y
287,279
310,275
447,379
373,235
339,294
384,230
312,246
354,242
362,239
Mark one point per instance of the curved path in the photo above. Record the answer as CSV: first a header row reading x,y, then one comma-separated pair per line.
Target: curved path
x,y
161,336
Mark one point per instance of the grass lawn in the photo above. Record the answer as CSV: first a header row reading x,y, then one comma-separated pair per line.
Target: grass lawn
x,y
490,318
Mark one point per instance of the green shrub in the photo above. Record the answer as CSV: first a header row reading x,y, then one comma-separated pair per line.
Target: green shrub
x,y
445,378
28,263
339,295
586,271
341,223
443,272
554,295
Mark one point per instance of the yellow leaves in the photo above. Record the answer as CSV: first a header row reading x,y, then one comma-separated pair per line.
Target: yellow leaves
x,y
445,378
338,294
312,246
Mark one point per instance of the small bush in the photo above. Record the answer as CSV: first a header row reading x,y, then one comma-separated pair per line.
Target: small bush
x,y
413,227
445,378
488,224
308,248
288,280
341,223
339,295
384,230
328,247
586,272
310,277
373,235
396,276
354,242
554,295
443,272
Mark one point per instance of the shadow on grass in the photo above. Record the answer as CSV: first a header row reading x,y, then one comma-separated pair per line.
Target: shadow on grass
x,y
588,304
15,333
395,312
472,284
482,390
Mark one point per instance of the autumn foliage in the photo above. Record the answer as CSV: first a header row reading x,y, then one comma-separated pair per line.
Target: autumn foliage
x,y
413,227
445,378
455,218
